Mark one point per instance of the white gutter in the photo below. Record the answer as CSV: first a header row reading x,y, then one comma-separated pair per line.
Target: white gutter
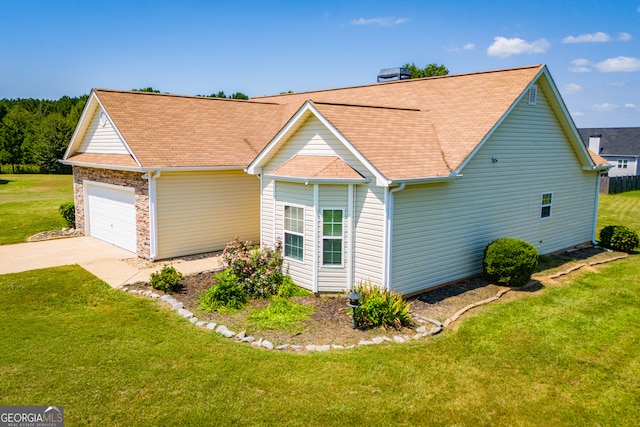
x,y
388,235
152,169
307,181
153,223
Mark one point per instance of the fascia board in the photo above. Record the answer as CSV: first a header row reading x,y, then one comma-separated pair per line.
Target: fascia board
x,y
81,127
115,127
381,180
581,149
576,142
263,156
309,108
318,180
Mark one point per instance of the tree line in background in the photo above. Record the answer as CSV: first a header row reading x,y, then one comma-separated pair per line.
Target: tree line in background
x,y
37,131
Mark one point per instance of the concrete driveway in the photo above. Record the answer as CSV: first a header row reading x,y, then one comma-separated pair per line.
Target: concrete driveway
x,y
103,260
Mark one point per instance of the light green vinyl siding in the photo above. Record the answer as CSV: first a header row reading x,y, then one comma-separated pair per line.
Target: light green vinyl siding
x,y
440,230
102,139
203,211
333,278
369,218
298,195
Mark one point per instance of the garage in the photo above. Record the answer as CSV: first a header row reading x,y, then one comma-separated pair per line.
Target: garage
x,y
111,214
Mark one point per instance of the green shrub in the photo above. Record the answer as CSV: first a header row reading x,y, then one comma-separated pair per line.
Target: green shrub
x,y
68,212
226,294
510,261
259,271
289,289
381,307
167,279
619,238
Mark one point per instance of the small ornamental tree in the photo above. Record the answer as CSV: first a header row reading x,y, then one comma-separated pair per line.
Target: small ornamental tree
x,y
510,261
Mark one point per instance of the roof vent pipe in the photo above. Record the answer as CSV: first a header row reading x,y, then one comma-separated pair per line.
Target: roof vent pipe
x,y
391,74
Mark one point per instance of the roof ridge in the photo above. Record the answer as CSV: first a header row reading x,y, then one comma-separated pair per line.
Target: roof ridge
x,y
525,67
173,95
338,104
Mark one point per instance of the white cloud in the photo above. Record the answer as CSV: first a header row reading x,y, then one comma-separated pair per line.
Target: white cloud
x,y
604,107
504,47
632,106
624,37
571,88
621,63
577,114
468,46
580,65
383,21
616,84
598,37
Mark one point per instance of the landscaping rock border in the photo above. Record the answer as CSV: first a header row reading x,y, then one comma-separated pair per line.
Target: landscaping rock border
x,y
421,331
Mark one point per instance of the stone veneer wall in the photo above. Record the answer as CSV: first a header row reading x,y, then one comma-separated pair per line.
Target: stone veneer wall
x,y
122,178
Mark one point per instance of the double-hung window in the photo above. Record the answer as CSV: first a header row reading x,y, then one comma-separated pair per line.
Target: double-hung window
x,y
332,237
545,206
623,164
294,232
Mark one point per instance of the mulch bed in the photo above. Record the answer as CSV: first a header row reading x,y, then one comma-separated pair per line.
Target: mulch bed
x,y
331,323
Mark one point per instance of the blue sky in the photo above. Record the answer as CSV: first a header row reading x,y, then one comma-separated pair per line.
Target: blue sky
x,y
53,48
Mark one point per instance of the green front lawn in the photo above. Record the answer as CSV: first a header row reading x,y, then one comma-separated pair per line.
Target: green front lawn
x,y
29,204
567,357
620,209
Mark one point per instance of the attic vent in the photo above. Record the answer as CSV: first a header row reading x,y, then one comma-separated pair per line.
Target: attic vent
x,y
103,119
391,74
533,95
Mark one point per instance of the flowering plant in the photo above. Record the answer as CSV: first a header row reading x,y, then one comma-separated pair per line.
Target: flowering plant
x,y
258,270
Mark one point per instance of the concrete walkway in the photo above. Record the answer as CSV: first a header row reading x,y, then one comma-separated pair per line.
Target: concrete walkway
x,y
103,260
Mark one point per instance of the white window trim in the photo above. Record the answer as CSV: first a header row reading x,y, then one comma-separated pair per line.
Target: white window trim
x,y
295,233
542,205
323,237
623,164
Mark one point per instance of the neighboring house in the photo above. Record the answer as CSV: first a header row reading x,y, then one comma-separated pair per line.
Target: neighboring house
x,y
619,146
405,183
163,175
401,183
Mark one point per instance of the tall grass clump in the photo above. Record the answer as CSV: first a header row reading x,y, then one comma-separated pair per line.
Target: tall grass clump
x,y
381,307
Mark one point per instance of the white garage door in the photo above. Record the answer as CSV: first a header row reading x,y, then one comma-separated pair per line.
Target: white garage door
x,y
112,215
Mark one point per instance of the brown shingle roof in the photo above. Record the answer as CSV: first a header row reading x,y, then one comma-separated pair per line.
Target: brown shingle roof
x,y
322,167
104,159
180,131
406,129
455,114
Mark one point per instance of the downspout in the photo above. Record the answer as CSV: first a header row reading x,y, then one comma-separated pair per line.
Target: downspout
x,y
261,226
316,243
153,226
595,211
389,236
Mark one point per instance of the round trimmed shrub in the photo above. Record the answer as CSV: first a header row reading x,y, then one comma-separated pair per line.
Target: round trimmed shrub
x,y
167,279
510,261
619,238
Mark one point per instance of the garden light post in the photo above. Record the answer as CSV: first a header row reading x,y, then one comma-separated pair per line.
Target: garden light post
x,y
354,302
